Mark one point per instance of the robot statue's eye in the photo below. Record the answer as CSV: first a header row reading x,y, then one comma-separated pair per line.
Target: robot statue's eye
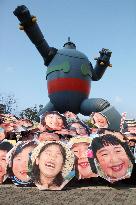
x,y
65,67
85,69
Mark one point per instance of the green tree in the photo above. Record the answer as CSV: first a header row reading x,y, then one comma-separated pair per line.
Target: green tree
x,y
89,123
31,113
8,103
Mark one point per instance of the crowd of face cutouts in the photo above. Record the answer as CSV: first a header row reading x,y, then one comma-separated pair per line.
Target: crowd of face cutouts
x,y
61,148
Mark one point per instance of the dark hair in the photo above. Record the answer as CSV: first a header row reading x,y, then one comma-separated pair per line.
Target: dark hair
x,y
92,165
6,146
103,130
18,150
10,136
76,167
53,112
82,124
108,139
35,172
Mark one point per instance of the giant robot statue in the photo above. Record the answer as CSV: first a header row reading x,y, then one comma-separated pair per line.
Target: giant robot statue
x,y
69,72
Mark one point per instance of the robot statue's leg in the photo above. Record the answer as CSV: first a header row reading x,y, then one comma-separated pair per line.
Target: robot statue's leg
x,y
93,105
49,107
103,106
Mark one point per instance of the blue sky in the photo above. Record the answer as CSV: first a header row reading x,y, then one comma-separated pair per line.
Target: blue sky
x,y
92,25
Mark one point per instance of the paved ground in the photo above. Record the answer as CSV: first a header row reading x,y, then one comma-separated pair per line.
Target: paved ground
x,y
9,194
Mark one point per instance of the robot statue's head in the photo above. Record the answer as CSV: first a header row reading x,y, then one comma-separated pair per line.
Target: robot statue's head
x,y
69,44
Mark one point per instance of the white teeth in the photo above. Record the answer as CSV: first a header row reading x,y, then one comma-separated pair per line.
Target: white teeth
x,y
83,164
51,165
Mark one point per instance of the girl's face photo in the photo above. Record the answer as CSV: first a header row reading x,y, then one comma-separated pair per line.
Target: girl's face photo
x,y
51,165
3,164
54,121
20,164
100,120
79,128
50,161
113,161
80,151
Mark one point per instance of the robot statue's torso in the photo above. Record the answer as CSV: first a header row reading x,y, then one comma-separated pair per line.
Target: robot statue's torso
x,y
68,79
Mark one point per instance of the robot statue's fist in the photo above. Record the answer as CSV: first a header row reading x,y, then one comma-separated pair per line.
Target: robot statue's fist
x,y
104,58
23,14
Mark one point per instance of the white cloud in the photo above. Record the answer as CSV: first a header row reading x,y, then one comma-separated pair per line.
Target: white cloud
x,y
118,99
10,69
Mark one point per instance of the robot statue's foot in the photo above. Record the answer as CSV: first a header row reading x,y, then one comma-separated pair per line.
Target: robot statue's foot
x,y
49,107
114,119
93,105
102,106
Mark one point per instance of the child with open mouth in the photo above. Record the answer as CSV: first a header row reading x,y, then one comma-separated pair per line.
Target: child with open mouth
x,y
113,158
79,146
50,164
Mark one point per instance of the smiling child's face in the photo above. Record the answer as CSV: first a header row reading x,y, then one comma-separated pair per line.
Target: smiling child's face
x,y
113,161
50,161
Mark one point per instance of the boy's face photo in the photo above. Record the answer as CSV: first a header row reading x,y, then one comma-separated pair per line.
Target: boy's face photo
x,y
113,161
20,164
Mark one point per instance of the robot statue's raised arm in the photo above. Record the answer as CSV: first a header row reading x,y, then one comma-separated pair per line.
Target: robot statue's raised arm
x,y
31,28
69,73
